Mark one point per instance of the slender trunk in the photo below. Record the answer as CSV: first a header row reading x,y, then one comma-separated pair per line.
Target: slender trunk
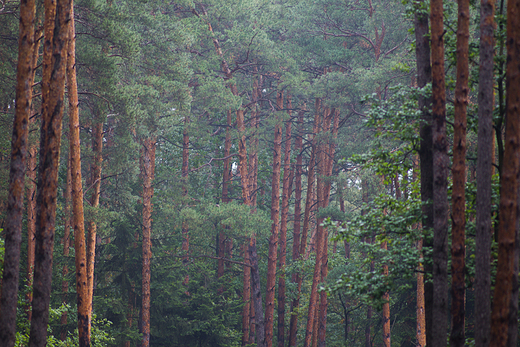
x,y
275,227
329,152
506,287
422,51
321,238
286,194
246,298
184,173
458,248
67,195
147,172
13,225
82,283
31,190
386,306
296,229
257,296
421,317
56,26
95,186
485,154
440,179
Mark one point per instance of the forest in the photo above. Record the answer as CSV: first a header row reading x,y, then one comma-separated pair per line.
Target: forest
x,y
259,173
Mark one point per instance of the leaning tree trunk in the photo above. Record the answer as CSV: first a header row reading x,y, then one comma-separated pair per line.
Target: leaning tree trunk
x,y
458,247
485,153
440,179
53,87
147,172
78,222
507,266
13,226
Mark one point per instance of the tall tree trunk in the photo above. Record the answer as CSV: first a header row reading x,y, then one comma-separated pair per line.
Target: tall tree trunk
x,y
147,172
422,52
246,298
13,225
440,179
78,222
321,233
458,247
296,228
485,153
275,227
95,186
56,30
328,165
67,196
506,287
184,173
31,190
286,194
257,296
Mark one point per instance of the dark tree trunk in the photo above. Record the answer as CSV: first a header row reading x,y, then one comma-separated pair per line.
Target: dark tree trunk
x,y
506,287
275,227
458,247
485,153
57,20
286,194
422,52
440,179
257,296
13,226
67,196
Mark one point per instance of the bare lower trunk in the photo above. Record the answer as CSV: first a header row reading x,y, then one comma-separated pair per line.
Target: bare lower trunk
x,y
53,87
257,296
147,172
13,226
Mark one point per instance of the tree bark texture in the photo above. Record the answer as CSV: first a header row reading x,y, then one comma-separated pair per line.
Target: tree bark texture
x,y
32,162
246,298
67,196
275,227
147,172
507,267
257,296
286,194
440,179
485,153
95,184
184,173
13,225
296,228
458,247
78,221
321,239
422,52
56,31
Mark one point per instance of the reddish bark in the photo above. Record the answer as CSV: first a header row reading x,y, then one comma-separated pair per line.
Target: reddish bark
x,y
275,227
67,195
458,247
56,29
13,225
82,288
147,172
95,186
506,287
286,194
